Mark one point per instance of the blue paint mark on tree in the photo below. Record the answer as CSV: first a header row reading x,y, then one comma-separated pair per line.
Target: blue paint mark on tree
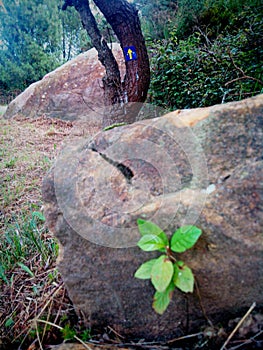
x,y
130,53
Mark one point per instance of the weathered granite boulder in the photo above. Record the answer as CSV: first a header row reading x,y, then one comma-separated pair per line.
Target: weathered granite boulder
x,y
70,92
200,166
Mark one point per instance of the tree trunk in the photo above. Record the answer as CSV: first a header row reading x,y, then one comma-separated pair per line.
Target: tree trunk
x,y
124,20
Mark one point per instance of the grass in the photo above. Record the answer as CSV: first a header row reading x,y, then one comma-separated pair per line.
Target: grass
x,y
27,244
27,149
30,285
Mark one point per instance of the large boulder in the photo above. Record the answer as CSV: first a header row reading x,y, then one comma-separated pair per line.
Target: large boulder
x,y
200,166
70,92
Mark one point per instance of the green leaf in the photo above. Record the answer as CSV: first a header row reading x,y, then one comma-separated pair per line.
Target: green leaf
x,y
2,274
183,277
161,300
162,273
149,228
184,238
9,322
144,271
40,216
67,332
26,269
149,243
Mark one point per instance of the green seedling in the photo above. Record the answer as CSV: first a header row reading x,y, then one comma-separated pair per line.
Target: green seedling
x,y
68,333
166,272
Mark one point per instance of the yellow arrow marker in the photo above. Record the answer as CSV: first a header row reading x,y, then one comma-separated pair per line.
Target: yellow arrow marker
x,y
130,53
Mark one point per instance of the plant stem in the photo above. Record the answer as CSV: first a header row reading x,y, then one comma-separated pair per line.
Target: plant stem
x,y
170,254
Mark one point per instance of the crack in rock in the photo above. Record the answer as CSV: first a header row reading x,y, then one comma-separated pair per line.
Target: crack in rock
x,y
126,171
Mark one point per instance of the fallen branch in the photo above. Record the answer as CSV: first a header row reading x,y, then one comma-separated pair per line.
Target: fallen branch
x,y
238,325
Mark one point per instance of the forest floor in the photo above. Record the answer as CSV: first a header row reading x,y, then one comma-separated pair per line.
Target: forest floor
x,y
35,310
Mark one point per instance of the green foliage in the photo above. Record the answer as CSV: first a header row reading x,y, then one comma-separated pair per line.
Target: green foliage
x,y
166,273
26,269
197,72
9,322
152,242
162,273
73,37
183,277
184,238
30,36
144,271
214,15
35,38
157,17
212,54
68,333
148,228
187,16
85,335
161,300
25,239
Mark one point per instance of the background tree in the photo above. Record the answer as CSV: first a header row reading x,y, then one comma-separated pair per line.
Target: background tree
x,y
124,20
29,42
157,17
73,37
35,38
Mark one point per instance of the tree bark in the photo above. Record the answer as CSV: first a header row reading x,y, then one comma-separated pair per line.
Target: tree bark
x,y
124,20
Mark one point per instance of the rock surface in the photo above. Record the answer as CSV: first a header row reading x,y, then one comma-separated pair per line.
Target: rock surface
x,y
70,92
200,166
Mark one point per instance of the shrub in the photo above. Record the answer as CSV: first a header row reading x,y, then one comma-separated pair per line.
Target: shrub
x,y
198,72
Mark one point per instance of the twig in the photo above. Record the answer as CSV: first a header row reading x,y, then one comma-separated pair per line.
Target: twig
x,y
244,75
184,337
59,327
201,304
245,93
213,54
208,42
38,336
234,64
8,316
116,333
48,315
60,307
238,325
247,341
52,294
